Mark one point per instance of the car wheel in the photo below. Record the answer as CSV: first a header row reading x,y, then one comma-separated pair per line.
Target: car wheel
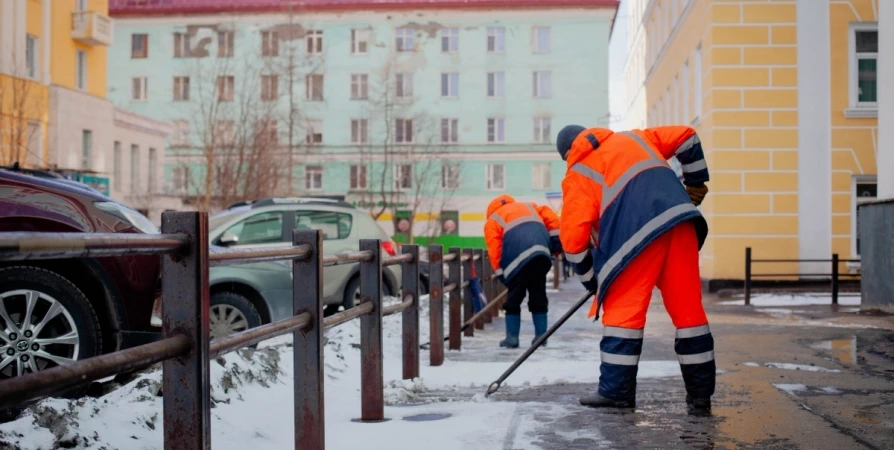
x,y
231,313
352,293
46,322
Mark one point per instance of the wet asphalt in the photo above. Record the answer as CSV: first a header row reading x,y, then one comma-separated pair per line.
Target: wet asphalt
x,y
839,396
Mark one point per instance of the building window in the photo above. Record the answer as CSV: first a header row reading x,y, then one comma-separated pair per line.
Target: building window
x,y
496,179
863,61
496,39
267,132
86,148
697,62
269,43
81,81
450,84
31,52
449,131
359,86
315,87
360,41
181,179
542,129
134,169
225,132
496,130
358,178
181,45
116,164
226,87
496,84
542,41
403,131
139,46
668,106
543,84
359,131
404,40
865,190
678,101
314,40
541,176
404,87
686,100
450,40
313,178
180,136
403,177
269,87
225,44
181,89
153,162
314,132
139,86
449,176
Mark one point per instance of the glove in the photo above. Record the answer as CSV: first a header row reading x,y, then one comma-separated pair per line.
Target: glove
x,y
502,279
697,193
591,285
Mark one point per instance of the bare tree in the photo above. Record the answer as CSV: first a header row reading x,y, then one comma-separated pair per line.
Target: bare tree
x,y
22,102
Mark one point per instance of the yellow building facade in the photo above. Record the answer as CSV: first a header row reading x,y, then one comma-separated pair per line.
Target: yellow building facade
x,y
46,45
783,96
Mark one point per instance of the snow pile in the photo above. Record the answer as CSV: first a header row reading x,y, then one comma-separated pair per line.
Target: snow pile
x,y
796,300
804,367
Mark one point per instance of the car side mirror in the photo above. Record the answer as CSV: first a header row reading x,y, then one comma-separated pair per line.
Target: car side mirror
x,y
228,239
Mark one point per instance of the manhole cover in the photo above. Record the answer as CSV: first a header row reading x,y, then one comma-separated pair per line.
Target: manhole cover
x,y
427,417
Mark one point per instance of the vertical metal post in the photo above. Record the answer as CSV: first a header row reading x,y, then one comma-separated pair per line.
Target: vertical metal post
x,y
436,304
372,384
479,272
185,309
487,285
747,275
556,272
453,272
467,299
835,279
410,319
307,296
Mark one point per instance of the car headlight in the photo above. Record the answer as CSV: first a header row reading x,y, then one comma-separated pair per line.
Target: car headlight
x,y
130,216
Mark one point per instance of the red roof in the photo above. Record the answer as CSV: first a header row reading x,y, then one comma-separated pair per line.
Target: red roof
x,y
118,8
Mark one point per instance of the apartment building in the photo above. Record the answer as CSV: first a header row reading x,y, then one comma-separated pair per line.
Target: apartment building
x,y
427,109
53,107
785,97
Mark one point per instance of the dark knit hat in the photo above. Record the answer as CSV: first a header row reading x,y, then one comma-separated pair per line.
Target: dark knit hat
x,y
566,138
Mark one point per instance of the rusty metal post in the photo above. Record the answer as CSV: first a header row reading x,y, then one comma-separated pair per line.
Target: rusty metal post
x,y
487,284
556,272
835,261
372,384
479,272
454,268
467,299
410,319
747,275
307,296
185,309
436,304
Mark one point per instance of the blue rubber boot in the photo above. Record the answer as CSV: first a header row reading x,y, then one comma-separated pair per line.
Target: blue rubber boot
x,y
539,327
513,325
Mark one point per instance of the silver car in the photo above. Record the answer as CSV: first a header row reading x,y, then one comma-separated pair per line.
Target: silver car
x,y
248,295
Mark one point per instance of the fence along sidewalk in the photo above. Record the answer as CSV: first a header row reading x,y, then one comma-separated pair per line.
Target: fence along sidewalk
x,y
186,349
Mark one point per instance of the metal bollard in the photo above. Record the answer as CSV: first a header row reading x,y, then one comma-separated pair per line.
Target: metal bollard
x,y
479,271
307,296
835,261
453,272
747,275
186,308
410,319
436,304
372,383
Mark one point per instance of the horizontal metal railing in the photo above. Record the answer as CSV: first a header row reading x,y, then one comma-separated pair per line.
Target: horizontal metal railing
x,y
834,274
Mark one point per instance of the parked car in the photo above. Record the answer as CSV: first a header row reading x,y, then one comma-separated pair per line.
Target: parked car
x,y
57,311
247,295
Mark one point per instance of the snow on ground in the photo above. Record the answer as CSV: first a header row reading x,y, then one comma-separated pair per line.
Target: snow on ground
x,y
252,397
804,367
796,300
790,389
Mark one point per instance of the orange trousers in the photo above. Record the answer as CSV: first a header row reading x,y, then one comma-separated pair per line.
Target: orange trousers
x,y
669,262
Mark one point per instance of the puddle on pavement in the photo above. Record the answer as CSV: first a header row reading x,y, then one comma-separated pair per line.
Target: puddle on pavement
x,y
427,417
844,350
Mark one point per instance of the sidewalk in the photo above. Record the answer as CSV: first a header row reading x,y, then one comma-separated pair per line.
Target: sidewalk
x,y
788,378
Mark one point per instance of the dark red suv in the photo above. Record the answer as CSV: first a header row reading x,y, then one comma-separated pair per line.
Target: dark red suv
x,y
55,311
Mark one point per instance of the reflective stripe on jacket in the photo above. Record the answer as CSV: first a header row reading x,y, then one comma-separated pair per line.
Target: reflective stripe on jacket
x,y
517,232
619,194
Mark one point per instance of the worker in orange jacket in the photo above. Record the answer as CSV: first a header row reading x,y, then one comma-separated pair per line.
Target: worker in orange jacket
x,y
628,224
521,238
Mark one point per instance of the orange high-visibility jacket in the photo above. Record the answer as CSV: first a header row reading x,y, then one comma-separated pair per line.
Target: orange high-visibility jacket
x,y
619,194
518,232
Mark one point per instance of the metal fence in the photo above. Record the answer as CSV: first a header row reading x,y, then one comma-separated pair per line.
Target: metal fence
x,y
834,275
185,349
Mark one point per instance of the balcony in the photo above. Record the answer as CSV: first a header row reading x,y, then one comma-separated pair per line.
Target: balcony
x,y
91,28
